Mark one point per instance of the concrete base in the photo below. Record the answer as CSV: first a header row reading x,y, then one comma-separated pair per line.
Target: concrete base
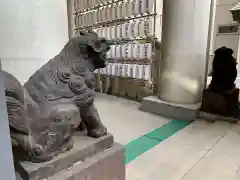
x,y
223,104
108,165
214,117
153,104
84,147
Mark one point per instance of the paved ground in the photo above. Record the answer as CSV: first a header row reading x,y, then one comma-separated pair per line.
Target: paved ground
x,y
181,151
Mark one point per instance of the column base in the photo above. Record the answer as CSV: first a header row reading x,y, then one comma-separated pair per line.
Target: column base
x,y
153,104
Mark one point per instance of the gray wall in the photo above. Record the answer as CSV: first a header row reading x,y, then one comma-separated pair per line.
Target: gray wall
x,y
223,17
32,31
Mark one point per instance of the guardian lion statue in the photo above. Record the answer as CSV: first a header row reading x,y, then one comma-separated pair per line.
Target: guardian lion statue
x,y
46,111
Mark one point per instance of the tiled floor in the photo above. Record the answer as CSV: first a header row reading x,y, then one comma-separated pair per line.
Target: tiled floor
x,y
124,120
201,151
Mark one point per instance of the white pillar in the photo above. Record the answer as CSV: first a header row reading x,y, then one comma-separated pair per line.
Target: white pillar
x,y
185,42
32,32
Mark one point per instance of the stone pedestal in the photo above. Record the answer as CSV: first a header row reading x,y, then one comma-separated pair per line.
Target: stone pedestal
x,y
90,159
107,165
220,103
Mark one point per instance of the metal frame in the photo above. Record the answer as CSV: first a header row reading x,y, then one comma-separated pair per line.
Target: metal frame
x,y
150,83
209,42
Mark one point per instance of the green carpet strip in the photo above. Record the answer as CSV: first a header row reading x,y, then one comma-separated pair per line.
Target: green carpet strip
x,y
139,146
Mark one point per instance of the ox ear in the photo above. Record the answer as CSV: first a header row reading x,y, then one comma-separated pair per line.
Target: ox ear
x,y
92,33
89,33
86,37
80,33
